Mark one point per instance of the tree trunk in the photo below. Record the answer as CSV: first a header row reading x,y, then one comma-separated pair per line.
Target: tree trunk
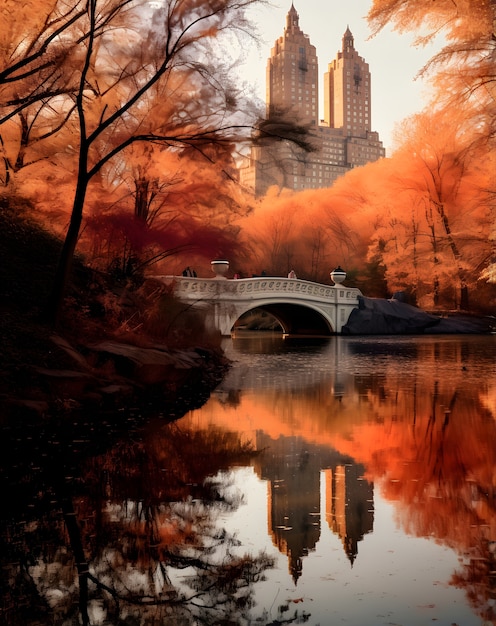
x,y
435,260
141,201
23,143
464,297
74,532
64,266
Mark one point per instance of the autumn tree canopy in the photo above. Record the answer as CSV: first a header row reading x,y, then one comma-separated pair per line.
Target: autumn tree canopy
x,y
469,26
464,75
105,75
124,116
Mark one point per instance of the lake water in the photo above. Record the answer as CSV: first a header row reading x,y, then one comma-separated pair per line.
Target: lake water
x,y
375,490
344,481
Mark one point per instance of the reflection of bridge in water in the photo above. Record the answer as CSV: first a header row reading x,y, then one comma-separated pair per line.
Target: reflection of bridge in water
x,y
301,307
292,370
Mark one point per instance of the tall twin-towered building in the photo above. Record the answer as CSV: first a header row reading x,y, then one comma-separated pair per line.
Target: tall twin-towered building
x,y
342,140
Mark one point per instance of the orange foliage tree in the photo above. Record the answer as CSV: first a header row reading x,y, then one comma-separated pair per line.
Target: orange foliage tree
x,y
434,223
466,63
465,82
34,48
162,208
121,69
117,73
316,230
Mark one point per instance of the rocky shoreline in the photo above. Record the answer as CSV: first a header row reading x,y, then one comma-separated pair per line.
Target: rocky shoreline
x,y
111,375
378,316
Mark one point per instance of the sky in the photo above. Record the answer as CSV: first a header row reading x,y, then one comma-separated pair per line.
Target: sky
x,y
393,59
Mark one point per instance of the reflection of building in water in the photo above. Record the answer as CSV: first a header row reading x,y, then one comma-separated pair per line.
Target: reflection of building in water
x,y
293,467
349,505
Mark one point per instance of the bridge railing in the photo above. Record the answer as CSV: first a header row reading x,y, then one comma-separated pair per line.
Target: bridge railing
x,y
252,288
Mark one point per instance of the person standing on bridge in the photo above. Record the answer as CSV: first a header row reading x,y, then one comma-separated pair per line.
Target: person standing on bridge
x,y
292,274
189,272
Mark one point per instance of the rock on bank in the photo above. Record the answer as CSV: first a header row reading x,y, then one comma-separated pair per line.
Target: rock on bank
x,y
376,316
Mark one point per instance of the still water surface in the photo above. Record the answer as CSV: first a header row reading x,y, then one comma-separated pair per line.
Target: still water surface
x,y
375,488
348,481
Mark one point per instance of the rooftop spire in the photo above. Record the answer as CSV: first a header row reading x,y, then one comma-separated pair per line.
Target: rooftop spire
x,y
348,41
292,20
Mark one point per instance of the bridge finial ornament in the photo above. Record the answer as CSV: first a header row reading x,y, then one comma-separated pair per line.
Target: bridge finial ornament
x,y
338,275
219,267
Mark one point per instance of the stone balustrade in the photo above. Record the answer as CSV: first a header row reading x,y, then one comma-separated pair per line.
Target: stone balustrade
x,y
247,288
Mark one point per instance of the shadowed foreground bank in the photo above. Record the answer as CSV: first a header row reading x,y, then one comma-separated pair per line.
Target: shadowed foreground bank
x,y
96,358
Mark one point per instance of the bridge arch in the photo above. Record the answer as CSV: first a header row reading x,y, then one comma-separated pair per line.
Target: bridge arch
x,y
294,319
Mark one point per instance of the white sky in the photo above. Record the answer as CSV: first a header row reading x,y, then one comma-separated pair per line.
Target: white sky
x,y
392,58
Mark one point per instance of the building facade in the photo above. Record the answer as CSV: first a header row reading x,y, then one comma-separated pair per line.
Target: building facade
x,y
342,140
292,81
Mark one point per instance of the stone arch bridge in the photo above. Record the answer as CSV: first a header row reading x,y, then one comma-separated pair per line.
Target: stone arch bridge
x,y
301,307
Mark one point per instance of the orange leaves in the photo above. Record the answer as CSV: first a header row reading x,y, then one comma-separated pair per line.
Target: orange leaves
x,y
465,66
315,230
465,19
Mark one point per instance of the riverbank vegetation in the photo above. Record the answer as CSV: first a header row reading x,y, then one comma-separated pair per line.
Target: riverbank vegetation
x,y
117,138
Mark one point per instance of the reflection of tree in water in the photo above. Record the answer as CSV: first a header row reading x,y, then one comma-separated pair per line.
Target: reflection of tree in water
x,y
477,575
430,448
142,530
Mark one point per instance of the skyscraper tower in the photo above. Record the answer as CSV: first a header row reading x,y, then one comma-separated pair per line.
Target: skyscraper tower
x,y
342,140
292,74
347,91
